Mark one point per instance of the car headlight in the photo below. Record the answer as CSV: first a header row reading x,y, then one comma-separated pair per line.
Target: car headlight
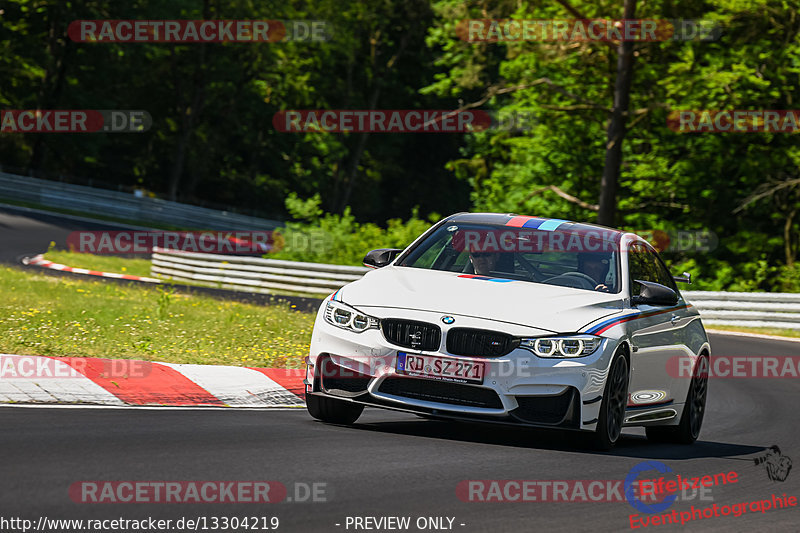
x,y
567,346
345,317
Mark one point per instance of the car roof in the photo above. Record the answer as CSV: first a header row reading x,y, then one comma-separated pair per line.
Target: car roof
x,y
513,220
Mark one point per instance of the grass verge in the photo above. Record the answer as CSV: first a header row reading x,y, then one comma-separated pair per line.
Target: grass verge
x,y
46,315
104,263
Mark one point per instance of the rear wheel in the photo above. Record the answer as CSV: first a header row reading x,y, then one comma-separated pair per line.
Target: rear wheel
x,y
612,410
332,410
688,429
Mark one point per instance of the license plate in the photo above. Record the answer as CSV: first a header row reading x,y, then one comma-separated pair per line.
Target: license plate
x,y
440,368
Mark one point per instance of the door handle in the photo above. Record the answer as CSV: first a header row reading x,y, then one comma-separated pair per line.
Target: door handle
x,y
674,319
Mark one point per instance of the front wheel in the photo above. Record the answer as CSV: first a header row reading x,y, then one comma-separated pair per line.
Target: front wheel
x,y
612,410
688,429
332,410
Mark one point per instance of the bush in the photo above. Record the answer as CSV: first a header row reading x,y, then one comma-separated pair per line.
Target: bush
x,y
320,237
753,276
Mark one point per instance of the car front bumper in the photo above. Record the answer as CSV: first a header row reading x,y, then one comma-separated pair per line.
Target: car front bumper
x,y
518,388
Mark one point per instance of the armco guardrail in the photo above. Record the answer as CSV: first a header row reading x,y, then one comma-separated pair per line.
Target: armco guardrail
x,y
124,205
253,274
748,309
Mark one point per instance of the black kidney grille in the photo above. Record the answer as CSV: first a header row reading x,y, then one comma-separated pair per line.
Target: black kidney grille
x,y
479,342
412,334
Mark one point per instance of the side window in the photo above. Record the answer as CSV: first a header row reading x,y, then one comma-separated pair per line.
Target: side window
x,y
613,274
645,265
429,256
664,275
641,265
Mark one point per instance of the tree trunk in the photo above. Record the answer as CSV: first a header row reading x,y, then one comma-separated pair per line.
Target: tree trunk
x,y
352,171
351,174
616,126
52,86
188,114
787,238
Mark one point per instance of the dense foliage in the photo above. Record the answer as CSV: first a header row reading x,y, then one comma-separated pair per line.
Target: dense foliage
x,y
212,140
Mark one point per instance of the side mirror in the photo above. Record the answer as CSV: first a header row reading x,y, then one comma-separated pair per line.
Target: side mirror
x,y
380,257
654,294
683,278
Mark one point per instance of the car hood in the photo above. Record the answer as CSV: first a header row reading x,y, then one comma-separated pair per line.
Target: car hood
x,y
548,307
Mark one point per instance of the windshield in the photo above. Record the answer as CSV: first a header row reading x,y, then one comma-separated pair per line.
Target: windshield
x,y
582,259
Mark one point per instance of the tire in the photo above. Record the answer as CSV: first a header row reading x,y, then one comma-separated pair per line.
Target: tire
x,y
332,410
612,410
688,429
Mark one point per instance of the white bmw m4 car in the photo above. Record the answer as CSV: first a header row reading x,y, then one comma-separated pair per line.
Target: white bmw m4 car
x,y
521,320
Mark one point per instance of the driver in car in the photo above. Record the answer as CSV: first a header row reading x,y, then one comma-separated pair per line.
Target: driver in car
x,y
595,265
484,262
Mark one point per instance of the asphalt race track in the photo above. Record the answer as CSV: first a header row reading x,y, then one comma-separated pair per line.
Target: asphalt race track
x,y
27,232
388,464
